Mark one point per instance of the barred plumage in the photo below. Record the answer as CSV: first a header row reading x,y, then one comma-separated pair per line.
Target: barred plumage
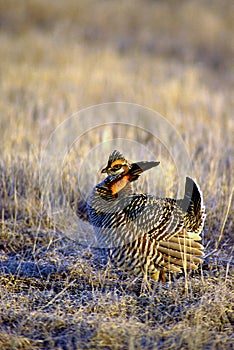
x,y
146,235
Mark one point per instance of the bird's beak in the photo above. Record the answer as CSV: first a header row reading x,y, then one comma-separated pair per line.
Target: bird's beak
x,y
104,170
139,167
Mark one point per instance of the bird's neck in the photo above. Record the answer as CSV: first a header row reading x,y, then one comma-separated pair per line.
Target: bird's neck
x,y
114,187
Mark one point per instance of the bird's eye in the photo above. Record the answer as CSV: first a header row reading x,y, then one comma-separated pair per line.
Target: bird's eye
x,y
117,167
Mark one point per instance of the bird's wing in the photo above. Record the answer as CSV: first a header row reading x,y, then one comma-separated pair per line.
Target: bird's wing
x,y
160,218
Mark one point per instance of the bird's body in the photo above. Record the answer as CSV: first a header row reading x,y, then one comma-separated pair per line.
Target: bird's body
x,y
146,235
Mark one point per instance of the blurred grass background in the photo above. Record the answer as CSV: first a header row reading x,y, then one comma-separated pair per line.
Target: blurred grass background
x,y
175,57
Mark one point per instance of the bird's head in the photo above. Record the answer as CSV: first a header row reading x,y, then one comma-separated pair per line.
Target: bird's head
x,y
118,165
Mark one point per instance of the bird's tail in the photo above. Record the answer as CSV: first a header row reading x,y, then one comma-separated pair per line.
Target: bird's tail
x,y
181,253
184,252
192,205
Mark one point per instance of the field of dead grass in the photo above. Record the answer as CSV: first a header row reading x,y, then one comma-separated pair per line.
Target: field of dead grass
x,y
57,58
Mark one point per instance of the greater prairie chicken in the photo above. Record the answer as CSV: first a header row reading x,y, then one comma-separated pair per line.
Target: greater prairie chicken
x,y
146,235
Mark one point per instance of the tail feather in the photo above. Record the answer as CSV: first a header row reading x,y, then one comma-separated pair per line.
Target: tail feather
x,y
192,205
183,251
180,252
192,201
179,264
187,242
180,247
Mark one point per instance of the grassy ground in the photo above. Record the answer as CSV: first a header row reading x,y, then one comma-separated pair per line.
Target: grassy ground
x,y
59,57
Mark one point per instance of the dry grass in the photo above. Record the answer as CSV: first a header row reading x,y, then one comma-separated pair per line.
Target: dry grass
x,y
56,58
